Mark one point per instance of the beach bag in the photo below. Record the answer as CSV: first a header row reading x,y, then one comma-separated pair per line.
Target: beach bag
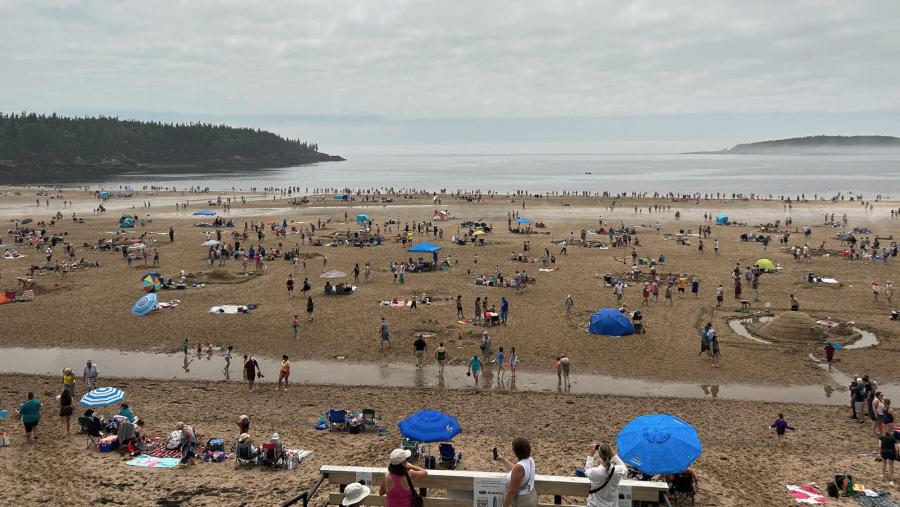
x,y
416,500
832,490
215,444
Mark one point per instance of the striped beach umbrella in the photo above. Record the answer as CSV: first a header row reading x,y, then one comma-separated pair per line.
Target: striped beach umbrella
x,y
145,305
103,397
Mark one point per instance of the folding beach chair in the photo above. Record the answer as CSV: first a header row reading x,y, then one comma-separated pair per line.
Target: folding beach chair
x,y
94,432
684,488
337,419
369,419
449,456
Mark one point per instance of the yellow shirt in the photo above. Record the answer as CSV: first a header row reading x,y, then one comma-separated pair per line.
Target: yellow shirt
x,y
286,366
682,282
68,378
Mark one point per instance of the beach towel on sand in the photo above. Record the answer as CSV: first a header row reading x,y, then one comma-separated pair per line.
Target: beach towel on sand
x,y
882,499
807,494
153,462
232,309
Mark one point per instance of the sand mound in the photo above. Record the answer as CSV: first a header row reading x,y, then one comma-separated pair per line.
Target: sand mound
x,y
793,326
221,274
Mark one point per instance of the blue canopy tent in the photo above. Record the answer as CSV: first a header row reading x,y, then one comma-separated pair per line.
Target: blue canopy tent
x,y
104,195
426,247
429,426
342,197
205,213
126,222
361,218
659,444
721,219
523,220
610,322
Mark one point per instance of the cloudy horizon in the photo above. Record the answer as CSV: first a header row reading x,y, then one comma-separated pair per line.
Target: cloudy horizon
x,y
603,76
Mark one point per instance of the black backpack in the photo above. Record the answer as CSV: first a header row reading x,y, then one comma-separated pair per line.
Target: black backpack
x,y
832,490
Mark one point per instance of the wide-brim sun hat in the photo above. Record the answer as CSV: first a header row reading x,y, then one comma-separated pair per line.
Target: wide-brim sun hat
x,y
399,456
354,493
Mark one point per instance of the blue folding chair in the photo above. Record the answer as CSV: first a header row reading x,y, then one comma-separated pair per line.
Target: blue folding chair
x,y
449,456
337,419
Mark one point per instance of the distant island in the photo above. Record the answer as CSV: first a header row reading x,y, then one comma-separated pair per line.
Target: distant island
x,y
814,145
49,149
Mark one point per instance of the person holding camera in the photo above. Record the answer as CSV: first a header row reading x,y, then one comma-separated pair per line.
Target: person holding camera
x,y
520,490
605,477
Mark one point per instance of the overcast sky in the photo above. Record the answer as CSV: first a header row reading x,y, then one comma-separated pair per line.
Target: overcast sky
x,y
610,75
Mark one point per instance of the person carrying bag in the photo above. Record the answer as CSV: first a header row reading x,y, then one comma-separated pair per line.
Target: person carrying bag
x,y
605,477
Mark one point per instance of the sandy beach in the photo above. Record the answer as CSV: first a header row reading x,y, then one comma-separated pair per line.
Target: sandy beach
x,y
89,308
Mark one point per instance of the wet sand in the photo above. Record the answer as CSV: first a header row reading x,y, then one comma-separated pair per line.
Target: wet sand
x,y
89,309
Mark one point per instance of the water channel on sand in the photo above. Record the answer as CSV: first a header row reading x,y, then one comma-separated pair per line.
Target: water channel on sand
x,y
121,364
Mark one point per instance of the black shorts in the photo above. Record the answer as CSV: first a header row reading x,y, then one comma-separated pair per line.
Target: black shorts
x,y
888,455
29,427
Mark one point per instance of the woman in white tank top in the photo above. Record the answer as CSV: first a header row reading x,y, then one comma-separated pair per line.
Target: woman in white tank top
x,y
520,490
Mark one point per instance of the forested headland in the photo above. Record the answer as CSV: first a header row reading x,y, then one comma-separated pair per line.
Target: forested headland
x,y
50,148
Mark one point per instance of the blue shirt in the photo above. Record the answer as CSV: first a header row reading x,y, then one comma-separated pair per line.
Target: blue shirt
x,y
504,305
126,412
31,411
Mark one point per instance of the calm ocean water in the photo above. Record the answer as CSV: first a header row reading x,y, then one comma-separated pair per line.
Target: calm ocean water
x,y
764,174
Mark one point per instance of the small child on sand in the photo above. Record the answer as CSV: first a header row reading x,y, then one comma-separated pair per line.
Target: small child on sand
x,y
780,425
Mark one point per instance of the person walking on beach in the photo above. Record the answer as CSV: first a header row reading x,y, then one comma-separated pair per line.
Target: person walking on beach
x,y
66,410
90,375
228,353
876,289
30,413
459,307
290,286
889,291
171,234
419,348
310,306
714,351
295,326
441,356
356,273
513,362
504,310
829,353
477,318
720,296
565,365
384,333
569,304
474,368
284,372
695,287
501,365
252,371
780,426
186,346
716,246
487,347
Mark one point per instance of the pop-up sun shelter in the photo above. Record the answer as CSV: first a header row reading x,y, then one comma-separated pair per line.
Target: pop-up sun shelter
x,y
721,219
426,247
361,218
765,265
610,322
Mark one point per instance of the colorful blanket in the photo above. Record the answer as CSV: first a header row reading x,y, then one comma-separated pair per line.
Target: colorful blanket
x,y
160,451
153,462
807,494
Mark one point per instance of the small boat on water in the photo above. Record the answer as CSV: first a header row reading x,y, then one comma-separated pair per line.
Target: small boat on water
x,y
587,172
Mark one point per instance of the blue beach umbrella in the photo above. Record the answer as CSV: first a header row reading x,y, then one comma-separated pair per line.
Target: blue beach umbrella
x,y
205,213
610,322
429,426
103,397
145,305
659,444
523,220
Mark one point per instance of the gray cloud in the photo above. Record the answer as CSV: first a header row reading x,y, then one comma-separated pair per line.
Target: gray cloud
x,y
459,59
